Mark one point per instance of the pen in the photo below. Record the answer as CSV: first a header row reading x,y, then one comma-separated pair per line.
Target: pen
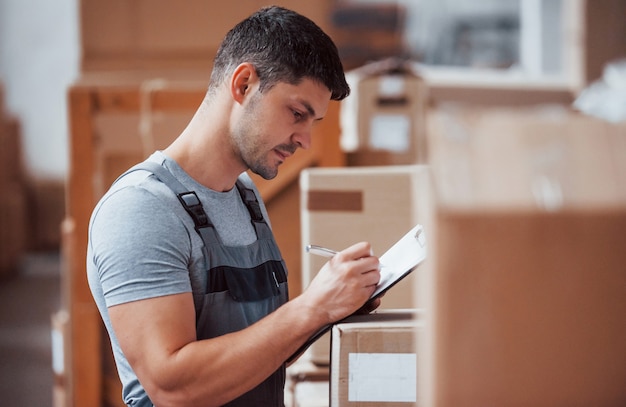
x,y
323,251
320,251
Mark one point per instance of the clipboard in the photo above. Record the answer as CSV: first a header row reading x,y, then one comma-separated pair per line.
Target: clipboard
x,y
401,259
397,263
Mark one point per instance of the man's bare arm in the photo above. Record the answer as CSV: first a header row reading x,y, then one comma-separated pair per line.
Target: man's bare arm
x,y
158,335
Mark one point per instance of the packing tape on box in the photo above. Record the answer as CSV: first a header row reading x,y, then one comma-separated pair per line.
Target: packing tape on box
x,y
335,200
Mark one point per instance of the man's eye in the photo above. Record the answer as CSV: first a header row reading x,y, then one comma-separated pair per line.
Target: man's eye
x,y
297,115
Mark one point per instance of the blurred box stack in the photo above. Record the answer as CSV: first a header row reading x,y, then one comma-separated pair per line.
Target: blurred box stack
x,y
13,201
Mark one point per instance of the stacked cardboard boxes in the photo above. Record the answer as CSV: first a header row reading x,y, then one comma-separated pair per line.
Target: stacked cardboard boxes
x,y
13,201
343,206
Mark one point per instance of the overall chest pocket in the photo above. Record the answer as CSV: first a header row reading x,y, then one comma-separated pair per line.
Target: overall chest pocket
x,y
247,284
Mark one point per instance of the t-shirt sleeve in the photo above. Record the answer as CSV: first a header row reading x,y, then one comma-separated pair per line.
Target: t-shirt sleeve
x,y
140,248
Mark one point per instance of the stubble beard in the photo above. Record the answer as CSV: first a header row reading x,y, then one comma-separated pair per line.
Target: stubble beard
x,y
248,143
266,171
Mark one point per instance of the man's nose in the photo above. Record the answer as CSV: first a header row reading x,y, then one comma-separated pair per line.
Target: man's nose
x,y
302,137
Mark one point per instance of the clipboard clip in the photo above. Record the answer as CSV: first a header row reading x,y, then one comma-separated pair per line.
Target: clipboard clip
x,y
419,236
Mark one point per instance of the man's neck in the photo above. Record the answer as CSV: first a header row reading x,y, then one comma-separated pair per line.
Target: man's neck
x,y
203,151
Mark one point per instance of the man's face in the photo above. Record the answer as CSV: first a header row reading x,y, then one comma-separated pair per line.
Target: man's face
x,y
276,123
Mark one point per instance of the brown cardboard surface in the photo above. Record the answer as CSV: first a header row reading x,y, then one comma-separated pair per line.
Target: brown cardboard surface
x,y
335,201
502,95
527,284
541,157
151,34
375,337
530,308
392,200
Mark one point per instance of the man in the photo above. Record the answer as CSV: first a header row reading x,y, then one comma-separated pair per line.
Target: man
x,y
181,260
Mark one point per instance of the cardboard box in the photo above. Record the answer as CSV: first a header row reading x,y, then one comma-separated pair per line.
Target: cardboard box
x,y
383,120
527,261
374,360
530,308
343,206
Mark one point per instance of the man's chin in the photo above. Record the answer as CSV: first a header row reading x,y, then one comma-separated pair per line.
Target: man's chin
x,y
266,173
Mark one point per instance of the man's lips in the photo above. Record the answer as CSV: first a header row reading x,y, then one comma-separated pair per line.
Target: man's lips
x,y
284,153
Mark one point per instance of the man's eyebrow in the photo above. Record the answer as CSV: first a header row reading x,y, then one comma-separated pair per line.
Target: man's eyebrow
x,y
310,110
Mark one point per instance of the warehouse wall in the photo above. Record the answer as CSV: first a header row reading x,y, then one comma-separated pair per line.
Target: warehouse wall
x,y
39,56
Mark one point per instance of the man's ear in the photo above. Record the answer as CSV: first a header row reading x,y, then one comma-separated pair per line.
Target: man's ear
x,y
243,79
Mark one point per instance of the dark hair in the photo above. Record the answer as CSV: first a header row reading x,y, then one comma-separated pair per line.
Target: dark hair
x,y
283,46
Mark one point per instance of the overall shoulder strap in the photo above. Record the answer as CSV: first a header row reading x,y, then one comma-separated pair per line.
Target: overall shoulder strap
x,y
188,199
193,206
251,201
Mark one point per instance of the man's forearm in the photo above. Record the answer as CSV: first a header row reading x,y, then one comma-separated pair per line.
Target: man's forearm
x,y
214,371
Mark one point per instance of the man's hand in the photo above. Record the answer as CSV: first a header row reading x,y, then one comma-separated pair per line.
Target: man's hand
x,y
369,306
344,284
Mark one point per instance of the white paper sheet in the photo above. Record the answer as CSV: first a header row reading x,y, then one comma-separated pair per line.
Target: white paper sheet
x,y
390,132
382,377
401,258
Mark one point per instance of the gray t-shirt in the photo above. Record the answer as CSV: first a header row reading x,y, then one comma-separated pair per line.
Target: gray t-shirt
x,y
142,244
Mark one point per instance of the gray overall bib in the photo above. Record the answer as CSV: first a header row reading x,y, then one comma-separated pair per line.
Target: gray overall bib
x,y
244,283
